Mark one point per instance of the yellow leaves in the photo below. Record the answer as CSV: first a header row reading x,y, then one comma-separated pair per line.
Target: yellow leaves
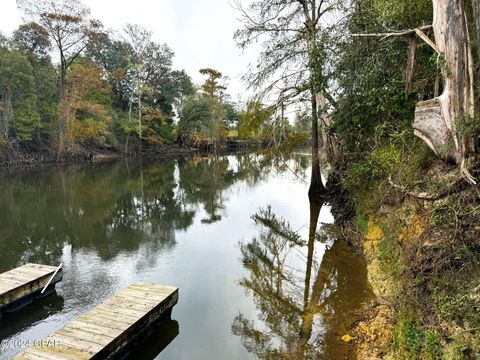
x,y
374,233
362,326
84,108
89,129
154,115
232,134
88,109
347,338
86,81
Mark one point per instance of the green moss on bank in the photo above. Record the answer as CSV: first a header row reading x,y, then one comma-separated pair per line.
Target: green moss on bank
x,y
426,262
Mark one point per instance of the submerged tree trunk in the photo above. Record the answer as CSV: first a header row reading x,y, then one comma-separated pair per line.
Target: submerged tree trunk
x,y
438,121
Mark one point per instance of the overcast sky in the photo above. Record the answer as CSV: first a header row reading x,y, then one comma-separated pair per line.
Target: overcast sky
x,y
200,32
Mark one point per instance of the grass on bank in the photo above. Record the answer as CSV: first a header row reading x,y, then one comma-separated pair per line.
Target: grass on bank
x,y
431,249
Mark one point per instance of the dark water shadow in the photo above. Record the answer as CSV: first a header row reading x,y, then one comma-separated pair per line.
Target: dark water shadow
x,y
39,310
156,342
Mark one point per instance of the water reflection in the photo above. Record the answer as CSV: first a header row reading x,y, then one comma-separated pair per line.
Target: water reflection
x,y
114,207
156,342
304,290
179,223
35,312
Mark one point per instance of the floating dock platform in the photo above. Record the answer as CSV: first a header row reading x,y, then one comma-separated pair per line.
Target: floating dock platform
x,y
109,330
21,286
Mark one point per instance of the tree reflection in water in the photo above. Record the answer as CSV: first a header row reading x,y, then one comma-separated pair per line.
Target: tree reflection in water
x,y
117,207
304,291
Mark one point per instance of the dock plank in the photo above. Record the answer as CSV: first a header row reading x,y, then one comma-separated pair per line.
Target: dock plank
x,y
110,327
18,284
91,337
95,328
109,323
100,314
67,342
41,355
131,292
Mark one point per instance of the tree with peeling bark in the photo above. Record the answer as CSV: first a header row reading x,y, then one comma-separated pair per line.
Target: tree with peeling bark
x,y
67,24
439,121
291,66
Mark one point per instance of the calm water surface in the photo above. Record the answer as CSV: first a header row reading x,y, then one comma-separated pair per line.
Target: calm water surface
x,y
261,273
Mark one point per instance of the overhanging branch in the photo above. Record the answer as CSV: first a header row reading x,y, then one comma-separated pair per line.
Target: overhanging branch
x,y
398,33
418,31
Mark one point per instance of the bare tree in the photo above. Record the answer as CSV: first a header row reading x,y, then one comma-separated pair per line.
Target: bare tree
x,y
67,23
290,65
139,39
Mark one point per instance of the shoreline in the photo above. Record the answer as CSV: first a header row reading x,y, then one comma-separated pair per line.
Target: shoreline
x,y
17,158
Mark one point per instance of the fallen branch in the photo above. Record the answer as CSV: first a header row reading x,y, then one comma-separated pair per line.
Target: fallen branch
x,y
426,196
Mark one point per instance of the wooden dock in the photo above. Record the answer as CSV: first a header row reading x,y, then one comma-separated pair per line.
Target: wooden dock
x,y
235,144
20,286
110,330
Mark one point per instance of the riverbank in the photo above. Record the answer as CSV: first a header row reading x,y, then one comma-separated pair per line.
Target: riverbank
x,y
418,230
18,155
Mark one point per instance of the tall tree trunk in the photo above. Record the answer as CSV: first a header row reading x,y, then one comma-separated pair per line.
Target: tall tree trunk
x,y
412,47
476,17
140,120
329,143
316,186
6,111
126,143
437,121
61,118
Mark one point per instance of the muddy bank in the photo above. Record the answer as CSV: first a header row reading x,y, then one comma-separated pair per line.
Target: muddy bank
x,y
17,155
370,334
422,247
370,330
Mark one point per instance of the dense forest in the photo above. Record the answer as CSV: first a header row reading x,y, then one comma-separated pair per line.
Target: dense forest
x,y
70,87
386,93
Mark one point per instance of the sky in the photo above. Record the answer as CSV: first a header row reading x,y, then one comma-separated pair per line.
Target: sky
x,y
200,32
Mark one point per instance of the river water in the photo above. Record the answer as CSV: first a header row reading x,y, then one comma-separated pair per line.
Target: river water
x,y
261,273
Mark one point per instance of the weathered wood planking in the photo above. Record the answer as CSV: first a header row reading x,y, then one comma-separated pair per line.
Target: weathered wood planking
x,y
20,286
109,330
